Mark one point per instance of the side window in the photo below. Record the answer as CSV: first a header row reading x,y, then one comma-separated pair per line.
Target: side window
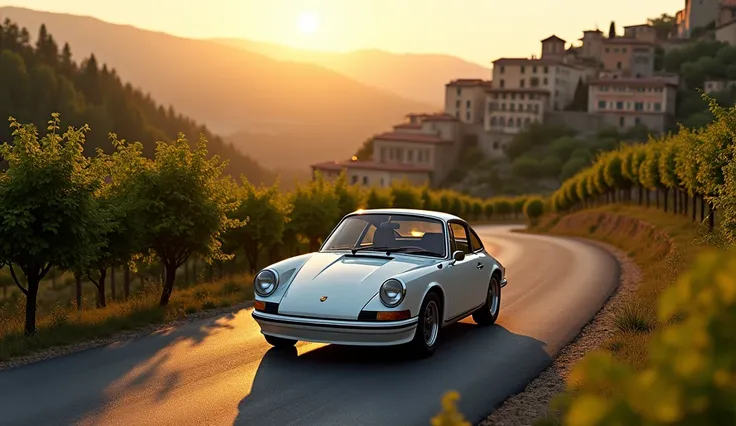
x,y
475,242
460,238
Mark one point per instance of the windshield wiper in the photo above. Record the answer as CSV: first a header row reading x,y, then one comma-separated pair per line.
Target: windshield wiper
x,y
389,250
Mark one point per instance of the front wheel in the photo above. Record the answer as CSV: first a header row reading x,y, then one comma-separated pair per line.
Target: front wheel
x,y
279,342
488,313
428,327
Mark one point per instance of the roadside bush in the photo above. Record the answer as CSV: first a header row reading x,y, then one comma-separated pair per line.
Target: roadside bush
x,y
533,209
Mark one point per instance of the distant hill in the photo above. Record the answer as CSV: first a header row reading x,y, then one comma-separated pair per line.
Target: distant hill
x,y
232,90
415,76
39,79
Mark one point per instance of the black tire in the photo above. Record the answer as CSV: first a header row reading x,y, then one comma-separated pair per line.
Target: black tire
x,y
279,342
424,343
488,313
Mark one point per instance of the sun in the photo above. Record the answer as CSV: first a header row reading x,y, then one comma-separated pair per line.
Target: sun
x,y
308,23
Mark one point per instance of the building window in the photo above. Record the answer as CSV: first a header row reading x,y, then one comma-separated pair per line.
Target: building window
x,y
657,106
383,154
467,115
503,107
511,122
527,122
457,113
618,65
534,69
410,156
503,69
493,121
521,83
621,122
495,145
501,84
365,180
546,82
638,106
619,105
637,121
523,68
534,82
459,91
601,104
353,179
467,104
546,70
512,107
501,122
457,103
518,122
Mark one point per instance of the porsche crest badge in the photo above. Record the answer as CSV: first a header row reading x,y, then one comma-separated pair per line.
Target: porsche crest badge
x,y
323,298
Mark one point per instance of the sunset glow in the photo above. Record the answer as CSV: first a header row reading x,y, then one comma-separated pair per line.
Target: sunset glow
x,y
308,23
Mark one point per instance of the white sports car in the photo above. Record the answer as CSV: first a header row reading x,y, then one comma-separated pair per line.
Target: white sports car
x,y
383,277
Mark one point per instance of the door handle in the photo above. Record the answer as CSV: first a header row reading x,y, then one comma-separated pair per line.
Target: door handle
x,y
480,266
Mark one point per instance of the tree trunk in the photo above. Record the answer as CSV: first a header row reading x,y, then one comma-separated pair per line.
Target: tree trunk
x,y
194,271
186,273
126,281
31,297
78,283
101,298
648,192
675,200
666,192
695,207
711,216
640,194
168,285
702,208
656,196
211,272
112,282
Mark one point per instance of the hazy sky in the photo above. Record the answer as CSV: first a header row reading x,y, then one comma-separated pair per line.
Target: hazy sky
x,y
477,30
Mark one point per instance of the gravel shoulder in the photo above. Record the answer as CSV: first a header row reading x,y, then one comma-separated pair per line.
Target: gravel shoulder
x,y
532,404
118,337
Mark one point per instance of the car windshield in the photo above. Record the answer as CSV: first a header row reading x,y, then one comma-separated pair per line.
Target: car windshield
x,y
389,233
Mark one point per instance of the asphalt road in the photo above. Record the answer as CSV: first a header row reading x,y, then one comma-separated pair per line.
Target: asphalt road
x,y
220,371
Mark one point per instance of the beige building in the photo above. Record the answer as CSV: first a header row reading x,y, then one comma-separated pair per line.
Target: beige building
x,y
697,14
464,99
592,45
548,73
424,149
628,57
624,103
643,32
513,110
717,86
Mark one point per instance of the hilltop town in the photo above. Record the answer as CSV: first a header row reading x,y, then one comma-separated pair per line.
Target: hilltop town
x,y
602,81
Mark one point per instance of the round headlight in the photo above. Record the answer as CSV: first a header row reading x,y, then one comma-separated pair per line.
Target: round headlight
x,y
392,292
265,282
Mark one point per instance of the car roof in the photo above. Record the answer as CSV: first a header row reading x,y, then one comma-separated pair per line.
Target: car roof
x,y
417,212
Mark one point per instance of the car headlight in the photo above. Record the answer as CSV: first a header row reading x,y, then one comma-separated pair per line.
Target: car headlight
x,y
265,282
392,292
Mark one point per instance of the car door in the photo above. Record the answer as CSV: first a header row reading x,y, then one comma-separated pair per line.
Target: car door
x,y
485,261
463,274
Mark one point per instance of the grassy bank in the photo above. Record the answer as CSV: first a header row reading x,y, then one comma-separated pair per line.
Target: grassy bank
x,y
64,325
664,247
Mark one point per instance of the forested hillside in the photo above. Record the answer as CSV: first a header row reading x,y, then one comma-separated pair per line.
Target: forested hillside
x,y
37,80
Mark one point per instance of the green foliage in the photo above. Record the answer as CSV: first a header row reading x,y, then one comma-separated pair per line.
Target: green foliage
x,y
49,215
379,198
315,210
533,209
265,212
406,196
350,198
691,376
186,202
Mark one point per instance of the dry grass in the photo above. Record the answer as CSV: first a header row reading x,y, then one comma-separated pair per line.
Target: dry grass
x,y
662,244
64,325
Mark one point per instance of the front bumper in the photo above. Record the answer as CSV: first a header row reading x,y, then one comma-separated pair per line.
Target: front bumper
x,y
354,333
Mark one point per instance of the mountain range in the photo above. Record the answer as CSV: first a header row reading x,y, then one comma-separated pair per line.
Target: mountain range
x,y
283,107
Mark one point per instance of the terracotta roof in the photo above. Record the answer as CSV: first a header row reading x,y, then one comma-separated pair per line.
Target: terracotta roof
x,y
408,126
627,40
412,137
520,90
646,82
553,38
440,117
529,61
370,165
467,82
638,25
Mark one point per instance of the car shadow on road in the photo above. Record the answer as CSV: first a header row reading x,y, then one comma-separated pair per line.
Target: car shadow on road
x,y
363,385
101,376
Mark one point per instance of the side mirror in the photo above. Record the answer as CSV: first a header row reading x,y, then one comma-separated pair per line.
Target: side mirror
x,y
458,256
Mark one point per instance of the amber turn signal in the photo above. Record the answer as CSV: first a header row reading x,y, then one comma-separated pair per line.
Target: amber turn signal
x,y
259,305
393,315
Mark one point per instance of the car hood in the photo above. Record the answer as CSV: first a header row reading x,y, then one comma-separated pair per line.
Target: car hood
x,y
348,283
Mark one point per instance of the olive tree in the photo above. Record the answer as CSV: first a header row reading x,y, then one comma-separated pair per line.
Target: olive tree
x,y
49,215
186,201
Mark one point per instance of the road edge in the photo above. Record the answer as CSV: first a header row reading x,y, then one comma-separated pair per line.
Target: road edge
x,y
532,404
58,351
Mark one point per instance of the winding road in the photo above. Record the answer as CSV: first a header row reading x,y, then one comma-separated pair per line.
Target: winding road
x,y
220,371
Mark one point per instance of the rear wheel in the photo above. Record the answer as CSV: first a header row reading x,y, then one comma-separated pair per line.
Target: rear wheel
x,y
488,313
428,327
279,342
